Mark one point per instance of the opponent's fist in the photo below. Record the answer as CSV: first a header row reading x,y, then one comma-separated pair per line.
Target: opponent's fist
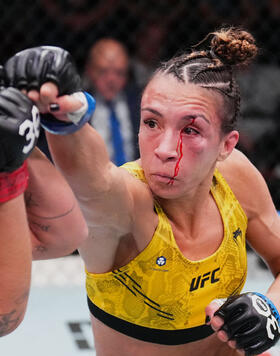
x,y
19,128
32,67
252,321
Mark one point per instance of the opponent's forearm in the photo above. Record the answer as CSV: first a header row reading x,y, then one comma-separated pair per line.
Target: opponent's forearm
x,y
15,264
54,215
18,135
56,236
56,233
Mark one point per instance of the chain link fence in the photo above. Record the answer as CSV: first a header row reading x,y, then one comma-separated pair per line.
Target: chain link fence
x,y
76,24
154,30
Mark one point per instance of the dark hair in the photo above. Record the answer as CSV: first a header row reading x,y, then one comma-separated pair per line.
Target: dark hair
x,y
213,68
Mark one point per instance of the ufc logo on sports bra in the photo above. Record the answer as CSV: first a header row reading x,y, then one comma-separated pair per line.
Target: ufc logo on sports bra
x,y
200,281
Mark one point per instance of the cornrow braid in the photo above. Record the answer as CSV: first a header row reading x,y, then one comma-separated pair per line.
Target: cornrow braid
x,y
213,68
177,70
221,78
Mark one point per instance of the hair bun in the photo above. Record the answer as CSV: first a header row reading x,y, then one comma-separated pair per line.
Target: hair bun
x,y
233,46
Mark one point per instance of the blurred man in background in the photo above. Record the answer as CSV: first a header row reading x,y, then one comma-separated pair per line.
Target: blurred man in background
x,y
107,78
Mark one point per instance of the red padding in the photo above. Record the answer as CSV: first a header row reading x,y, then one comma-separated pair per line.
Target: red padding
x,y
13,184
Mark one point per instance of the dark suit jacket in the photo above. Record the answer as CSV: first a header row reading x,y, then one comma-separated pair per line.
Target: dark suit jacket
x,y
133,96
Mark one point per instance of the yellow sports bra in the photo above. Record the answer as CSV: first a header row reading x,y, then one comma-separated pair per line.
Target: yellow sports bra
x,y
160,296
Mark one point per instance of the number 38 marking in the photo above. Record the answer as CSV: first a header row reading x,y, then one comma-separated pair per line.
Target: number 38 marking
x,y
31,130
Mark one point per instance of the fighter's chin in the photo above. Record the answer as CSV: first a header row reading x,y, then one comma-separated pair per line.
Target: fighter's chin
x,y
165,190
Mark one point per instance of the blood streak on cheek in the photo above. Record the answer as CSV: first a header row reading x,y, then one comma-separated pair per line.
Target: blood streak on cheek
x,y
180,150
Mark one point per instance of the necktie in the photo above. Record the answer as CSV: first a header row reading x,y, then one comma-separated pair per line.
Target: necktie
x,y
117,140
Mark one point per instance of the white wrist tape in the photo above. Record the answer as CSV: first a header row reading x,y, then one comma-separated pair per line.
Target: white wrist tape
x,y
76,116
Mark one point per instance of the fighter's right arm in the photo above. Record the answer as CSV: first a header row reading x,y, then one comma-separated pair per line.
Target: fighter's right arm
x,y
102,189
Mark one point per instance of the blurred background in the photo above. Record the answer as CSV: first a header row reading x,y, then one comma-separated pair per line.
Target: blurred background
x,y
154,30
57,321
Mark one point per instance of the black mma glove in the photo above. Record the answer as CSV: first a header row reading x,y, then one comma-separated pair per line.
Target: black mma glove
x,y
19,128
3,78
252,321
32,67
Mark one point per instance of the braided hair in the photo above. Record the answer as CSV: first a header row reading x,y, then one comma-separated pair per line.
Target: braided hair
x,y
214,68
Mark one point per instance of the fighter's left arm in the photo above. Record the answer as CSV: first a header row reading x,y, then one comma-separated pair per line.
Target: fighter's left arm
x,y
250,322
263,231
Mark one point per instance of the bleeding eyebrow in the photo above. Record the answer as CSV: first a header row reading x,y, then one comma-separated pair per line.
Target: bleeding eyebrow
x,y
152,111
193,117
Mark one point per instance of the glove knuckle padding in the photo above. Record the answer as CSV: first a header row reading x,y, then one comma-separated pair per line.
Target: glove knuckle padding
x,y
19,128
3,77
250,320
33,67
15,70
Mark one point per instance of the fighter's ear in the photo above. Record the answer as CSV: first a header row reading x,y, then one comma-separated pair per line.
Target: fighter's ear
x,y
228,143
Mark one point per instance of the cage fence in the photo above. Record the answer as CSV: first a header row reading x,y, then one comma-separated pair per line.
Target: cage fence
x,y
154,30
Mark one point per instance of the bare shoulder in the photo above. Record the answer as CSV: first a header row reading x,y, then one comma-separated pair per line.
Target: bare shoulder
x,y
140,192
143,208
121,205
122,226
239,172
246,182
